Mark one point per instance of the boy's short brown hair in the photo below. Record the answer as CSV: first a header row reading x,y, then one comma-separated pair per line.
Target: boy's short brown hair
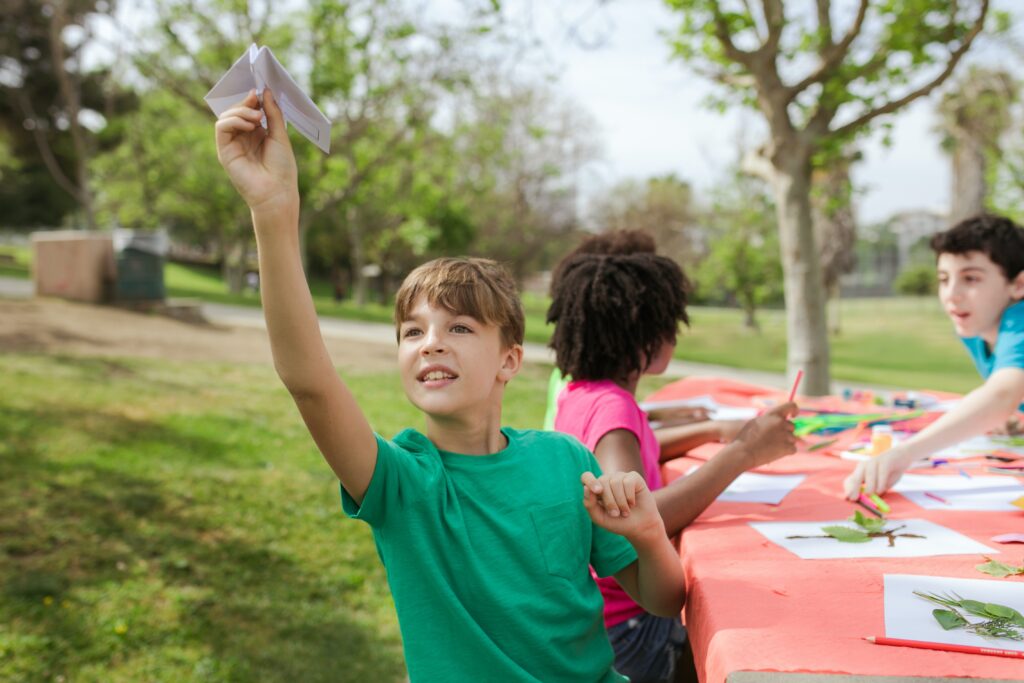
x,y
477,287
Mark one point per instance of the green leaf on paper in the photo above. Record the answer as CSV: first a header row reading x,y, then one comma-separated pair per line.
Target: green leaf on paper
x,y
999,569
949,619
866,523
846,534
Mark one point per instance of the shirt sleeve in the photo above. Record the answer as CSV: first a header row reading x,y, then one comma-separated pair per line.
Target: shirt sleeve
x,y
611,412
392,484
609,553
1009,350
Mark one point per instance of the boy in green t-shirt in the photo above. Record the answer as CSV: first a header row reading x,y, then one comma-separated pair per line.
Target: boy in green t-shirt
x,y
486,532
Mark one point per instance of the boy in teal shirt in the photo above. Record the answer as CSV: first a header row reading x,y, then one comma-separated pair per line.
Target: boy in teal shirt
x,y
486,533
980,264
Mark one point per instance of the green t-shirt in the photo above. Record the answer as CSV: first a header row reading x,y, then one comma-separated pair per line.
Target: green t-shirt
x,y
487,558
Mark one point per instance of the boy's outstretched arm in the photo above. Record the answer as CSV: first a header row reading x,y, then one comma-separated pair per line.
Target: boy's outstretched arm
x,y
261,165
986,408
762,440
621,503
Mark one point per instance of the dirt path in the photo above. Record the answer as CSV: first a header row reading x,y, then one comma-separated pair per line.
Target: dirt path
x,y
55,326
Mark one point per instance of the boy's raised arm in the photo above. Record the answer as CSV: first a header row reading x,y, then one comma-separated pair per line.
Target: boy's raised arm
x,y
986,408
261,165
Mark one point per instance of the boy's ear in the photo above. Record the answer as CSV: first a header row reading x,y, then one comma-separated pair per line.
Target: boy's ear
x,y
1017,286
512,363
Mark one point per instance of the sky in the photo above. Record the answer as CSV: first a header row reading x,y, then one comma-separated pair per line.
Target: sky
x,y
651,120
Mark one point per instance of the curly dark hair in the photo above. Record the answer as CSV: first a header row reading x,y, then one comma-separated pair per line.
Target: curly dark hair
x,y
996,236
613,312
610,242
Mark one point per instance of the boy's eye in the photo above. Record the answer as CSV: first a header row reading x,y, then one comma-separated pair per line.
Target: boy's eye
x,y
461,329
410,332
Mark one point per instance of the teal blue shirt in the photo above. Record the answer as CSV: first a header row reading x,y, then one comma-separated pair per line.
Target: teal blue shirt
x,y
487,559
1009,348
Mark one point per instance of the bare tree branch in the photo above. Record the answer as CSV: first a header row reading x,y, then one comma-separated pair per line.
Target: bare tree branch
x,y
45,151
893,105
835,53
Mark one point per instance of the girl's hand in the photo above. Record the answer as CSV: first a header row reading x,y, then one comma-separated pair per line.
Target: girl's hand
x,y
770,436
621,503
259,161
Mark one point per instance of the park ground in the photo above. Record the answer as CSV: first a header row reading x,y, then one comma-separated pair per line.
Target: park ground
x,y
165,516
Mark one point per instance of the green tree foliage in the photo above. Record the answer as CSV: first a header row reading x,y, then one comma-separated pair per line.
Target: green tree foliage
x,y
53,110
821,74
742,266
663,206
916,280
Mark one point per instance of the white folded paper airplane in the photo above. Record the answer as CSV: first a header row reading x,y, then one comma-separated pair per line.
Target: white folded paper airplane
x,y
258,68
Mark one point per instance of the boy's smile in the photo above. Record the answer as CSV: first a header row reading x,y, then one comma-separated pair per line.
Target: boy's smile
x,y
974,293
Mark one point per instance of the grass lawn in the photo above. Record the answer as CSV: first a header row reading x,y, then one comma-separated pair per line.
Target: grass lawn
x,y
173,521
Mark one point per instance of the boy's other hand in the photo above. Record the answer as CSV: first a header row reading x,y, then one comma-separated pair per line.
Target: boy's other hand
x,y
621,503
877,474
259,161
770,436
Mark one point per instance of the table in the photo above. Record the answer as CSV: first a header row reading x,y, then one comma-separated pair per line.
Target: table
x,y
758,614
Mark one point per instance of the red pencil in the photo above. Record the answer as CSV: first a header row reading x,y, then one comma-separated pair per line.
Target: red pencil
x,y
967,649
796,383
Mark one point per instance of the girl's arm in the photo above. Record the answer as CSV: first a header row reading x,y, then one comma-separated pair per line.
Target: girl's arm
x,y
261,165
676,441
762,440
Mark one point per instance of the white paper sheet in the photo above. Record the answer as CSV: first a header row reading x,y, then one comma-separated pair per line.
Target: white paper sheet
x,y
716,410
980,445
257,69
976,493
938,540
909,617
750,487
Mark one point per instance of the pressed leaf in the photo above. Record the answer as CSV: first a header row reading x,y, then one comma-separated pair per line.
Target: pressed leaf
x,y
999,569
974,607
948,619
867,523
846,534
1000,611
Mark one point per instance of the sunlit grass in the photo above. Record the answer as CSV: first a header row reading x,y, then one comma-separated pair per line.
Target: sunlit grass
x,y
173,521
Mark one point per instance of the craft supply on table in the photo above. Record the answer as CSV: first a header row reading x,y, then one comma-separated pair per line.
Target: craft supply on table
x,y
881,439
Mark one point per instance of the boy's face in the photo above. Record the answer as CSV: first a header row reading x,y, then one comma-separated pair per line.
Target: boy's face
x,y
974,293
452,363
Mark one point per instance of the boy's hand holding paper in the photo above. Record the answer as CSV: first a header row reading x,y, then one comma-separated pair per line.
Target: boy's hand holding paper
x,y
258,69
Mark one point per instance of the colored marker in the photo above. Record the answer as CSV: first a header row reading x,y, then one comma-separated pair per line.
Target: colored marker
x,y
870,509
939,461
866,502
796,383
879,503
938,498
822,444
963,473
948,647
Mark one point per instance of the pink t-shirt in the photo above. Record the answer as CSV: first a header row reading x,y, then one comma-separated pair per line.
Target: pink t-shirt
x,y
589,410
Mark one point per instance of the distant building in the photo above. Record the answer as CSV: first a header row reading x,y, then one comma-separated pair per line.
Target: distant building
x,y
885,249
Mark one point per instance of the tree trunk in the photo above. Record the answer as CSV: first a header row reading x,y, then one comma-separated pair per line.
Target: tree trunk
x,y
806,329
355,241
969,185
233,265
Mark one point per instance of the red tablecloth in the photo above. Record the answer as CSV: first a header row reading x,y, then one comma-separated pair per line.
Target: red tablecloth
x,y
754,606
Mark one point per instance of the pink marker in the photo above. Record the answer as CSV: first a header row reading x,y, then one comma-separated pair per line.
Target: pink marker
x,y
938,498
796,383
